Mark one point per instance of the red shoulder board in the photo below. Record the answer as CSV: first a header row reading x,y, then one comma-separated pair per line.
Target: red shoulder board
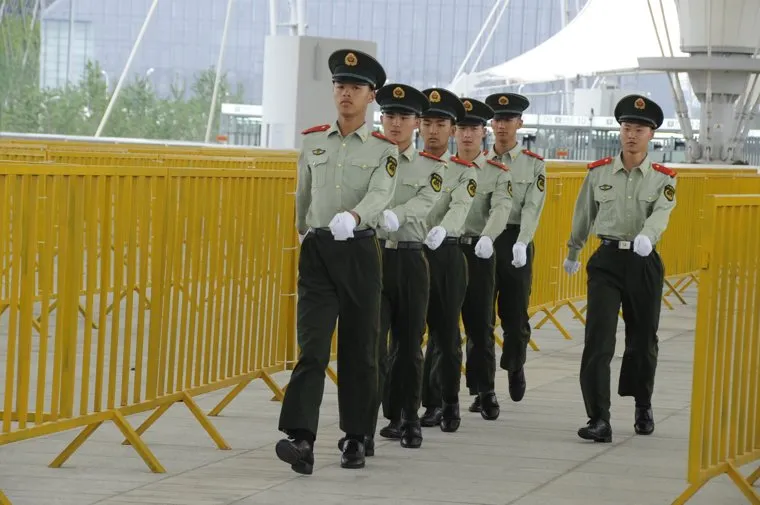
x,y
382,137
431,156
320,128
664,170
498,164
485,152
531,153
599,163
461,161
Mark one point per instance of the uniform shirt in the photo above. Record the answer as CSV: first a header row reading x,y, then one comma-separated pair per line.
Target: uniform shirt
x,y
528,172
620,205
419,180
459,186
336,173
493,199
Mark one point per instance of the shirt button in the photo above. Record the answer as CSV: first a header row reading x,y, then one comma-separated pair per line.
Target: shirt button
x,y
338,186
339,165
629,197
344,144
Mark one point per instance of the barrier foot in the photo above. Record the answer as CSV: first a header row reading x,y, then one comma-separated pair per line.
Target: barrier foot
x,y
533,345
577,313
230,396
275,399
331,373
279,394
692,279
667,303
743,484
499,340
754,477
205,423
546,318
557,324
689,493
674,289
160,411
75,444
4,499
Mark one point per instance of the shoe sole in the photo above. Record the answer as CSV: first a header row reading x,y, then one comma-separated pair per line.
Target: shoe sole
x,y
452,427
291,456
429,424
489,418
353,465
642,432
601,440
411,446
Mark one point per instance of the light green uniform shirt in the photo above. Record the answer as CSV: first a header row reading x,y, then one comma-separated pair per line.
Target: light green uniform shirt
x,y
418,188
621,205
459,186
337,174
528,189
493,200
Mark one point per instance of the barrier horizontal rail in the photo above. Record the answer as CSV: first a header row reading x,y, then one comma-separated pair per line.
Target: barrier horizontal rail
x,y
725,404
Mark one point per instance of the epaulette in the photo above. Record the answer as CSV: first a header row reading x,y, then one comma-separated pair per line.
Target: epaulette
x,y
431,156
320,128
485,152
461,161
531,153
599,163
382,137
498,164
664,170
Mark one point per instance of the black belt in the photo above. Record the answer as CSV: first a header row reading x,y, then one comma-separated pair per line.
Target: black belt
x,y
625,245
512,227
450,240
468,240
357,233
392,244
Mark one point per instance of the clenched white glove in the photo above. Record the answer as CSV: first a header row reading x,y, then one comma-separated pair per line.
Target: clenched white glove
x,y
390,221
519,254
642,245
571,266
435,237
342,226
484,248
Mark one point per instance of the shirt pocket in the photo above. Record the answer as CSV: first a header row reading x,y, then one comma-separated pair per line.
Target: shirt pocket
x,y
606,203
647,198
409,188
318,165
520,189
357,173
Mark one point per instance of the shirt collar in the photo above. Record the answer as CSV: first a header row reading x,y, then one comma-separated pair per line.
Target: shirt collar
x,y
362,132
410,152
644,167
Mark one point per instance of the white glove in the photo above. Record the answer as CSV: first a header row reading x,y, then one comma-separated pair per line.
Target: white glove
x,y
519,254
642,245
435,237
390,221
342,226
484,248
571,266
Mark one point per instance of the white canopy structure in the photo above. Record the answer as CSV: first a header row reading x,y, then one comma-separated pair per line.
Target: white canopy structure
x,y
607,36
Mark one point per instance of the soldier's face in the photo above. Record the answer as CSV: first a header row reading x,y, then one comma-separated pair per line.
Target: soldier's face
x,y
352,99
469,136
506,129
634,137
399,127
436,132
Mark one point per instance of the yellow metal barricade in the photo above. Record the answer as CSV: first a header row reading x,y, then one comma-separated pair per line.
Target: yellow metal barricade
x,y
725,402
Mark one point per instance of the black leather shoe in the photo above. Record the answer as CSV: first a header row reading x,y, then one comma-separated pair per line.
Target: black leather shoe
x,y
450,417
476,407
517,385
299,454
431,417
353,454
369,445
411,435
490,406
597,430
392,431
644,423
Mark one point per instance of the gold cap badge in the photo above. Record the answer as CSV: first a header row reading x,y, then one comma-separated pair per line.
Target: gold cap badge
x,y
435,97
467,105
398,92
503,100
351,60
639,104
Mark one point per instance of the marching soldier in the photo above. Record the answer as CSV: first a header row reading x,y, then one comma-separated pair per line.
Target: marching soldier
x,y
406,281
627,200
514,247
448,267
346,178
484,223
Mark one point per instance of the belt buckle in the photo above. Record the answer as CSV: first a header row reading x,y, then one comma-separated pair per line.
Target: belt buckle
x,y
466,240
391,244
624,244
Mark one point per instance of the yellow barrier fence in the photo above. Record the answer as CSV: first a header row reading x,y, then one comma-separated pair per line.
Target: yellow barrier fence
x,y
219,311
725,404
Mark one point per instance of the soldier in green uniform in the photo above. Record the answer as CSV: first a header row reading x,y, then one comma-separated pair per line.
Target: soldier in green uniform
x,y
401,230
346,178
627,200
514,248
448,267
486,220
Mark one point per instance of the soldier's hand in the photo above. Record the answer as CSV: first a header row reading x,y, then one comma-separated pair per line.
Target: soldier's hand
x,y
484,248
390,221
642,245
435,237
519,255
342,226
572,266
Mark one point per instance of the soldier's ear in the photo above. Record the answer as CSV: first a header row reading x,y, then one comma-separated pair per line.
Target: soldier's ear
x,y
372,93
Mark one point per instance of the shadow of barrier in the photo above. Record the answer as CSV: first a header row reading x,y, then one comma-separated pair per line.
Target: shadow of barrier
x,y
725,402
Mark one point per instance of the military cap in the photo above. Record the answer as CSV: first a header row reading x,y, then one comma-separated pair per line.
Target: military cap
x,y
350,65
443,103
401,98
506,105
639,109
476,112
